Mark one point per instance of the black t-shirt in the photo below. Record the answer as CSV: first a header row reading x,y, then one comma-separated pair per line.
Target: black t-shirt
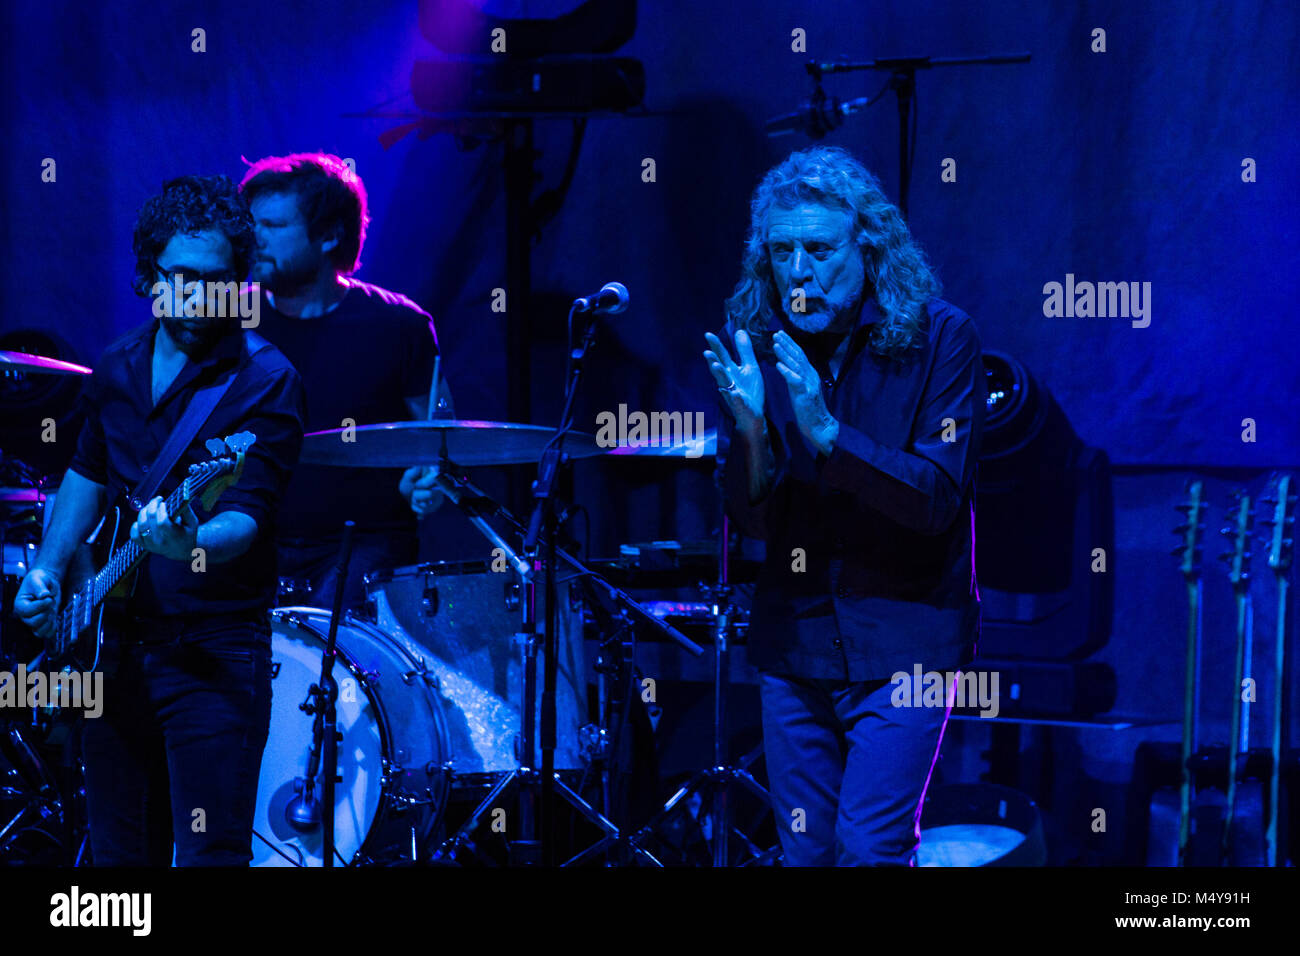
x,y
359,361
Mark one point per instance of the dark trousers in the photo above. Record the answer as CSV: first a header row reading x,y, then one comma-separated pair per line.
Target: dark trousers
x,y
174,758
847,770
315,562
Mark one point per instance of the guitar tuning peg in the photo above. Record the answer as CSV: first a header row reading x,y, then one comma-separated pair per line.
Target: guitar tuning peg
x,y
1176,551
1181,529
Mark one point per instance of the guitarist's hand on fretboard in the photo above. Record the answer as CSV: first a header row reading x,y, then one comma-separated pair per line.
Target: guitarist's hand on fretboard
x,y
171,536
38,600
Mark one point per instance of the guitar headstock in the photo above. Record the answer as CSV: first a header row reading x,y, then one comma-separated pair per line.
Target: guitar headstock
x,y
1241,516
1281,541
1189,551
220,471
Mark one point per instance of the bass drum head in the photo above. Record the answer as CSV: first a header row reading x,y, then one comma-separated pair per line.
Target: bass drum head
x,y
384,722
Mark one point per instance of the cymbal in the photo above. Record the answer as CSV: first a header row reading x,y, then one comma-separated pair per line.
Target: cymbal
x,y
17,496
404,444
39,364
706,446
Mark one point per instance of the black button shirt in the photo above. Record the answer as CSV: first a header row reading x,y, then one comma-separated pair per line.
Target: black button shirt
x,y
124,431
870,550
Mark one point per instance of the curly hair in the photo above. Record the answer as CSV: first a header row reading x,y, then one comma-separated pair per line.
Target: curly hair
x,y
186,205
896,267
330,195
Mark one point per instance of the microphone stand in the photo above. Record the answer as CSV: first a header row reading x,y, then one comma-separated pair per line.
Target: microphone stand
x,y
902,81
543,523
322,698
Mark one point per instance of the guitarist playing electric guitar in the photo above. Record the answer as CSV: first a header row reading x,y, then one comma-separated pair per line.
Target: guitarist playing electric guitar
x,y
173,761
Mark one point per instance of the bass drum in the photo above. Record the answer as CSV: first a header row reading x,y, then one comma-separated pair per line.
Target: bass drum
x,y
393,756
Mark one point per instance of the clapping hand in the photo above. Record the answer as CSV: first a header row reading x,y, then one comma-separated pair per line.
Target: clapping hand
x,y
815,421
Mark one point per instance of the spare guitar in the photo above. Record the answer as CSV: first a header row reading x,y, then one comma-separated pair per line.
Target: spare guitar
x,y
78,629
1242,842
1189,554
1281,542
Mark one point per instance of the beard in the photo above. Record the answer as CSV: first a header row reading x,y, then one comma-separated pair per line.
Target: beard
x,y
284,280
825,319
196,336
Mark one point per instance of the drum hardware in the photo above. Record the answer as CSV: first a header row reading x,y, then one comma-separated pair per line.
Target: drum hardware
x,y
421,671
715,782
616,688
394,738
293,592
524,777
303,812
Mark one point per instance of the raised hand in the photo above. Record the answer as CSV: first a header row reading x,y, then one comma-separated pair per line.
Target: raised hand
x,y
419,486
741,383
815,421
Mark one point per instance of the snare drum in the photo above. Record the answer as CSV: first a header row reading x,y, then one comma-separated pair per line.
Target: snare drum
x,y
392,758
463,618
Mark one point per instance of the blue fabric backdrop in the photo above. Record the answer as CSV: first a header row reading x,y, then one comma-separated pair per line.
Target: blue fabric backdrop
x,y
1117,166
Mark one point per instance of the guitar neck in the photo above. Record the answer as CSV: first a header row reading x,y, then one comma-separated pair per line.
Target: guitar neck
x,y
1274,853
125,558
82,613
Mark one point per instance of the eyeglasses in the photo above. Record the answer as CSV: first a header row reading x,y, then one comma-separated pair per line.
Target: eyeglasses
x,y
227,275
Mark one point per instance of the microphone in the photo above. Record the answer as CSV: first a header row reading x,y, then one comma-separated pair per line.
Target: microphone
x,y
303,811
816,117
610,300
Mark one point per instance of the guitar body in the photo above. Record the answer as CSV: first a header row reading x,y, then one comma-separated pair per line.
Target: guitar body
x,y
79,625
1243,844
84,651
1246,841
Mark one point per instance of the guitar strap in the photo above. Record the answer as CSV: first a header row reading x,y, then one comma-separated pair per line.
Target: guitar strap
x,y
200,409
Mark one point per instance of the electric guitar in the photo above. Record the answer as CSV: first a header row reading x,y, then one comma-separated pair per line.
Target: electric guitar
x,y
1243,833
1189,554
1281,543
78,628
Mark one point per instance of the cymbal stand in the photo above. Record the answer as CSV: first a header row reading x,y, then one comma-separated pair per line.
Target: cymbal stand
x,y
528,780
716,781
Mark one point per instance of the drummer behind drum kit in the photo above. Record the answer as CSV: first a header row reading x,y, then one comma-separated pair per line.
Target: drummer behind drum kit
x,y
440,689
